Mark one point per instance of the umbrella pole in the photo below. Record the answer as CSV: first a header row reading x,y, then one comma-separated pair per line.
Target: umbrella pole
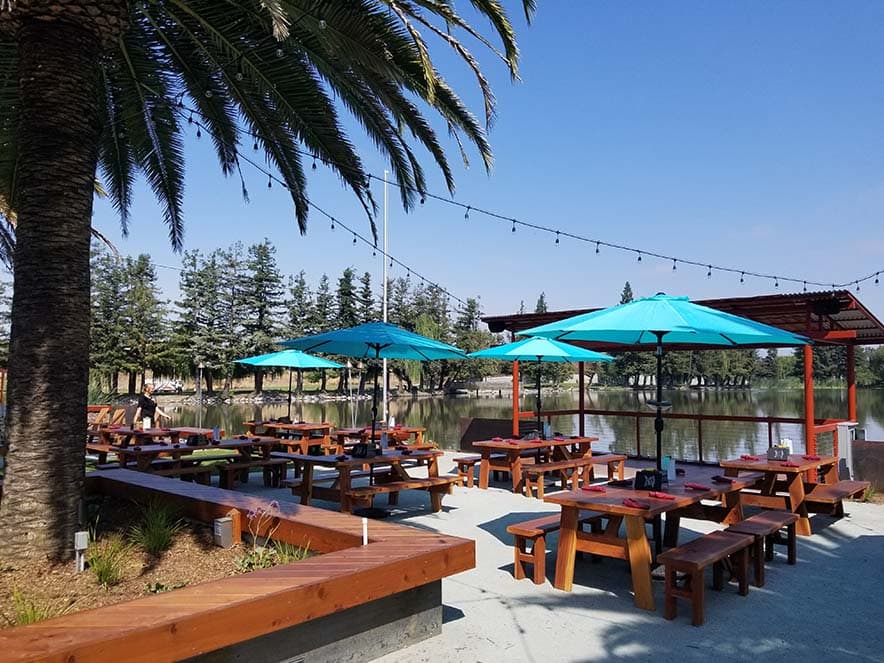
x,y
539,424
658,420
291,370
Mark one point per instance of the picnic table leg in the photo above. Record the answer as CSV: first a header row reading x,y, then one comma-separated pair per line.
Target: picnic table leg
x,y
831,474
567,549
639,553
433,467
670,532
515,463
344,480
733,506
797,504
307,484
484,469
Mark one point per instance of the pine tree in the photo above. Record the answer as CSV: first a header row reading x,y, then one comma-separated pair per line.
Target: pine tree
x,y
541,306
346,301
145,334
366,301
262,304
323,317
300,306
106,347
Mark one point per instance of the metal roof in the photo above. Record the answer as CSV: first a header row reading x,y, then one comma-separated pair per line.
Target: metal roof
x,y
833,316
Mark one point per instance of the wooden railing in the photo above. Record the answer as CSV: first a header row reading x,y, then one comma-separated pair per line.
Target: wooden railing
x,y
822,425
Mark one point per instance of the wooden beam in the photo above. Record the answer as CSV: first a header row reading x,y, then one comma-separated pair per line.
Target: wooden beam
x,y
851,383
581,399
809,437
831,335
515,399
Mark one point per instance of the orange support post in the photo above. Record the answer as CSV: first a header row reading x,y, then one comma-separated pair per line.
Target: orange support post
x,y
516,398
851,382
809,436
581,399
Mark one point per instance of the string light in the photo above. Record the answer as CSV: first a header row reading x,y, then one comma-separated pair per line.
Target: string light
x,y
255,145
466,215
857,286
279,52
322,24
199,134
354,239
557,237
639,257
314,163
876,277
269,182
332,223
709,272
674,266
804,287
470,208
776,283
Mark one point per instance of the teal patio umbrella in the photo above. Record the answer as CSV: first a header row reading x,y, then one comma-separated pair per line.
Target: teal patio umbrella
x,y
540,350
651,322
290,359
376,340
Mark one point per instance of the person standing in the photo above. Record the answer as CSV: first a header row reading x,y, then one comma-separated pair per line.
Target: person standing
x,y
148,411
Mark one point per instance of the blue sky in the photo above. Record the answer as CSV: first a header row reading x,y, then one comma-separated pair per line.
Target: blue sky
x,y
746,134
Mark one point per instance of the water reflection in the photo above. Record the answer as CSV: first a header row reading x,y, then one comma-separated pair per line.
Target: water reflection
x,y
720,439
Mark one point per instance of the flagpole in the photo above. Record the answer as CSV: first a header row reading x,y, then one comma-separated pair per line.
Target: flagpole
x,y
386,262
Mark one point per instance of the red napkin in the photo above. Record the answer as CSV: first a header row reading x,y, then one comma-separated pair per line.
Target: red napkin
x,y
660,496
397,426
811,457
720,479
512,441
558,439
696,486
789,463
594,489
748,457
635,504
497,439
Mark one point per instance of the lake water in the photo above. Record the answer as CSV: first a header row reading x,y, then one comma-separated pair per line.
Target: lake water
x,y
720,440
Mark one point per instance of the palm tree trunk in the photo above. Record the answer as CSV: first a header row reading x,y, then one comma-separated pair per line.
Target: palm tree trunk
x,y
49,362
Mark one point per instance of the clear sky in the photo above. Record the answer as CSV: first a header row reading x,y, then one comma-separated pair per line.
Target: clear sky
x,y
743,134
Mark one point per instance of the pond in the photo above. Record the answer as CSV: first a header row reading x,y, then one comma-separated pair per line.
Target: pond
x,y
726,439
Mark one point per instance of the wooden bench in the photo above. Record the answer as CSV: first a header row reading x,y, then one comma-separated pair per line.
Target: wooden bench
x,y
616,466
766,528
274,471
535,531
535,475
466,470
200,473
829,497
692,558
364,495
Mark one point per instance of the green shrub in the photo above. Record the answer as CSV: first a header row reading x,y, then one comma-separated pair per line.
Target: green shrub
x,y
107,559
286,553
159,588
157,529
26,610
869,494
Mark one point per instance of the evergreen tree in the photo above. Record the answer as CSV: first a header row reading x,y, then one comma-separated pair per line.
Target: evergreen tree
x,y
346,301
106,348
541,306
469,337
262,304
300,306
550,372
368,311
145,334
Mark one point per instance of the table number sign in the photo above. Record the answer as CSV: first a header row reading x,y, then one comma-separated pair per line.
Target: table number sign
x,y
648,480
778,453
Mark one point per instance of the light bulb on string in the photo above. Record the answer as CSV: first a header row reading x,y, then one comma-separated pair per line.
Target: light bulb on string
x,y
238,76
674,265
423,200
876,277
514,226
742,277
190,118
332,224
557,237
322,24
374,253
391,263
639,257
596,247
209,94
804,286
314,163
466,215
857,286
709,272
776,282
354,239
255,145
269,182
199,134
279,52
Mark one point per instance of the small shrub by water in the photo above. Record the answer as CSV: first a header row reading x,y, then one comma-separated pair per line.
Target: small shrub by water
x,y
107,559
157,529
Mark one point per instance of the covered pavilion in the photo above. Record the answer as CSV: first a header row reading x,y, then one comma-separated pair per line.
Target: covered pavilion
x,y
835,317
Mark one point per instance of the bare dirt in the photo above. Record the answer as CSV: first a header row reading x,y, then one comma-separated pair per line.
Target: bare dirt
x,y
192,558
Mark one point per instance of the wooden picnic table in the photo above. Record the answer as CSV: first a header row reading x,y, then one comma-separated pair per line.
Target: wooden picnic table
x,y
345,466
125,436
635,548
773,492
563,448
396,434
304,429
142,456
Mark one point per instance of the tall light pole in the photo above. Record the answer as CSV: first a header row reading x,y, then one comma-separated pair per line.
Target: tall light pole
x,y
386,263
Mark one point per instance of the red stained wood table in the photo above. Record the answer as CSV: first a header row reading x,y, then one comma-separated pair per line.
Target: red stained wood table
x,y
398,434
561,448
635,547
345,467
789,494
306,429
140,457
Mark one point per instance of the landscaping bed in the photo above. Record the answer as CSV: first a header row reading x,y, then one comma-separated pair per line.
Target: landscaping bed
x,y
121,566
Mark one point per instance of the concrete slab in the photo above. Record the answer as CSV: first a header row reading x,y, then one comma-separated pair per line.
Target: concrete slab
x,y
827,607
